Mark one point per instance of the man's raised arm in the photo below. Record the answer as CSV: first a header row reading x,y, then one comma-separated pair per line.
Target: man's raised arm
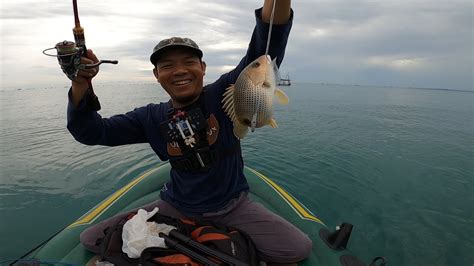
x,y
282,11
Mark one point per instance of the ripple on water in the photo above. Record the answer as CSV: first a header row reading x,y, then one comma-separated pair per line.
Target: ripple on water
x,y
396,163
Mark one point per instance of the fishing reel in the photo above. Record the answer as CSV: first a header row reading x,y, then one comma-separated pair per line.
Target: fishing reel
x,y
69,58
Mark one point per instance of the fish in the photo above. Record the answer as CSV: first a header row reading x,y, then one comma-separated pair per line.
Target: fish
x,y
249,101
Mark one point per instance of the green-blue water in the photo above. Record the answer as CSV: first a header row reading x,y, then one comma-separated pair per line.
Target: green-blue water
x,y
397,163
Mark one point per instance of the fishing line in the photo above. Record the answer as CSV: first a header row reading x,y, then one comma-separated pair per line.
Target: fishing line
x,y
270,29
254,121
38,246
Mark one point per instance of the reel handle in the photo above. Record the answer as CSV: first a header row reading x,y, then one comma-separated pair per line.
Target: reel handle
x,y
88,66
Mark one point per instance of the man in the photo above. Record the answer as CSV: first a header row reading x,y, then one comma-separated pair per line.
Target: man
x,y
207,180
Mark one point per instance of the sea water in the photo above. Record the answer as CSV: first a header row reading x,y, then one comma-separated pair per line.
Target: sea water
x,y
397,163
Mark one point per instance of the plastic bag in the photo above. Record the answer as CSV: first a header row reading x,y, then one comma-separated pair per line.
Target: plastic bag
x,y
139,234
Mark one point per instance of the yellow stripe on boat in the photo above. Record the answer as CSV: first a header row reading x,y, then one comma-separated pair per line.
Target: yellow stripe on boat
x,y
65,247
90,216
296,206
300,210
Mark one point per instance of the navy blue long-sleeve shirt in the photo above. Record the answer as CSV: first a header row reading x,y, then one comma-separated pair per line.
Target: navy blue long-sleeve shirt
x,y
189,192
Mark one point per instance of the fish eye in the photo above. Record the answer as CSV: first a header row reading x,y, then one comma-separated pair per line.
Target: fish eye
x,y
256,64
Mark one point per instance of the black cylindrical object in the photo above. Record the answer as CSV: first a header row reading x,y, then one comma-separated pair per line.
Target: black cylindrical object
x,y
338,239
173,243
206,250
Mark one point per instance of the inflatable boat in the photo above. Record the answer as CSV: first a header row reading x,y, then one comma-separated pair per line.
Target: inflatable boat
x,y
64,248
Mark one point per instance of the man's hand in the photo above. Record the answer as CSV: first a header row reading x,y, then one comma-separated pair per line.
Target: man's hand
x,y
282,11
84,76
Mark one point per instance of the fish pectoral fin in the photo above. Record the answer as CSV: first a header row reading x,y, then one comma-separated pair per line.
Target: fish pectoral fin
x,y
273,123
240,130
281,97
276,71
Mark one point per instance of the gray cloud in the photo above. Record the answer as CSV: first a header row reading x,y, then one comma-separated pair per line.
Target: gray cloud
x,y
403,43
341,40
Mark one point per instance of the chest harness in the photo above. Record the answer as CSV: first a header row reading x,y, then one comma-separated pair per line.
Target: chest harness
x,y
186,131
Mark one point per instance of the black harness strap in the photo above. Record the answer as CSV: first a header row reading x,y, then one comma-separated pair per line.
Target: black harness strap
x,y
194,158
208,156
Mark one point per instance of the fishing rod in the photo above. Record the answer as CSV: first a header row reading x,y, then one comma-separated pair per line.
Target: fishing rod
x,y
69,54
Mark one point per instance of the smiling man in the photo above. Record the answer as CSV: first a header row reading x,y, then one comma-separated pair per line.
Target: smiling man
x,y
195,135
179,69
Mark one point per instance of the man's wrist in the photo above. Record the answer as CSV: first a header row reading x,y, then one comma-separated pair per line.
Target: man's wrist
x,y
84,100
78,91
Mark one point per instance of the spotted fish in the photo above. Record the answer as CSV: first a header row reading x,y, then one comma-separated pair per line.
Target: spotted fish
x,y
249,102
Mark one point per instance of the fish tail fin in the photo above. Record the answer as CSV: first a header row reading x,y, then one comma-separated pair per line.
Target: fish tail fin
x,y
281,97
228,103
240,130
273,123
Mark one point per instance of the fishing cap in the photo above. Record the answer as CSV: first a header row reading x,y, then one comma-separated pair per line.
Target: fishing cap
x,y
165,44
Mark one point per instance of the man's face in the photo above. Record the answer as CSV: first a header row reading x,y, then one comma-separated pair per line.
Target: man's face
x,y
181,74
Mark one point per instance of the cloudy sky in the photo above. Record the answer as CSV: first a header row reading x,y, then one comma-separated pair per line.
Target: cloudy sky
x,y
409,43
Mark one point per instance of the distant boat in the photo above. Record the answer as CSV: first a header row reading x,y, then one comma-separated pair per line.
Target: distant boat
x,y
286,81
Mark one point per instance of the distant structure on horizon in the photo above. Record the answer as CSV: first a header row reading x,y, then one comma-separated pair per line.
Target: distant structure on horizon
x,y
286,81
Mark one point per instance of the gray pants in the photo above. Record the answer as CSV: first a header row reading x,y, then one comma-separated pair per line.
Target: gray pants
x,y
276,239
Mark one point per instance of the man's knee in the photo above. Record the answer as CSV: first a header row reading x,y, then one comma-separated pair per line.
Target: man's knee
x,y
88,239
303,251
300,250
297,247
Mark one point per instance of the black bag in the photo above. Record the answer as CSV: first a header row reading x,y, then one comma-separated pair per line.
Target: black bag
x,y
221,239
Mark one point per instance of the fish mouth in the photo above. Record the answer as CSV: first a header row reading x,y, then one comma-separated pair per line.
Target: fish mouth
x,y
246,122
266,84
182,82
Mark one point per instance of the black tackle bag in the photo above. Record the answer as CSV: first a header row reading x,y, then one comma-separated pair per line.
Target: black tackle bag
x,y
224,240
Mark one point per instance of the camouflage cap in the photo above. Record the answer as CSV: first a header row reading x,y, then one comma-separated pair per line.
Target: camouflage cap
x,y
163,45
